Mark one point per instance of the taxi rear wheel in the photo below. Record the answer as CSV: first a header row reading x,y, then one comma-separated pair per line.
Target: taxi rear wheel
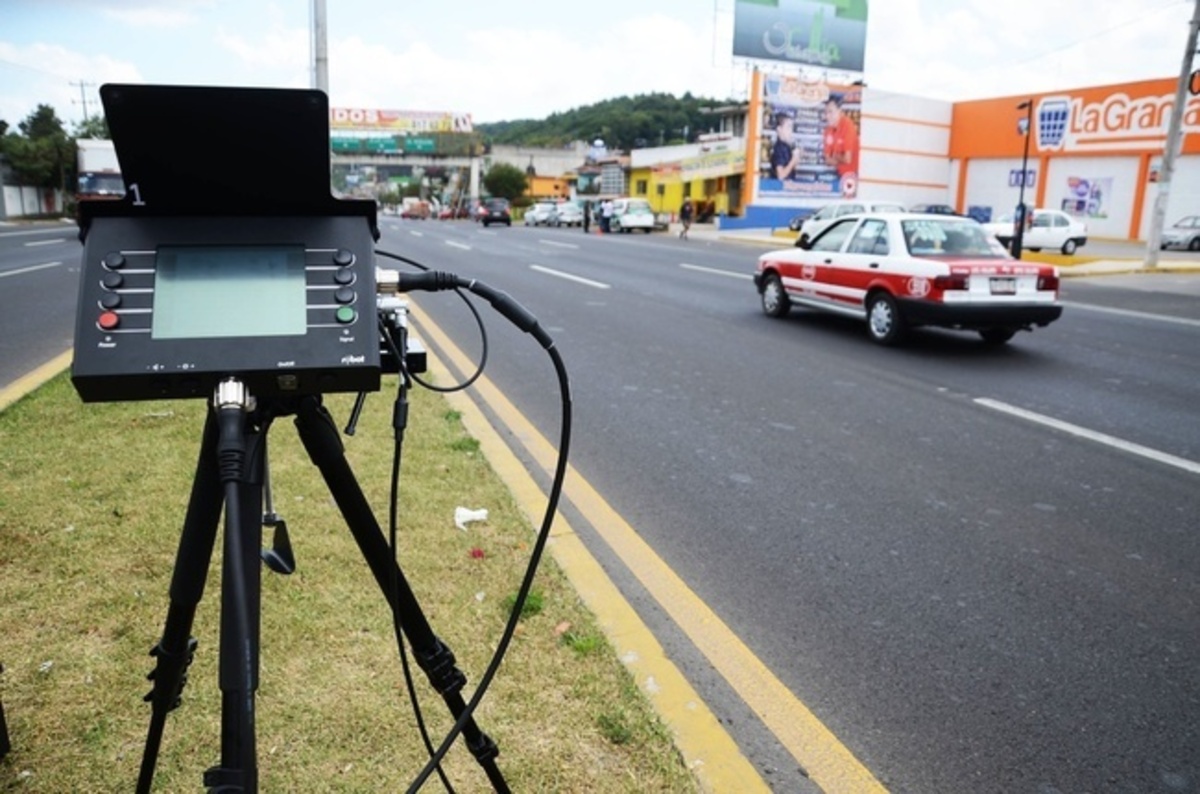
x,y
884,322
774,298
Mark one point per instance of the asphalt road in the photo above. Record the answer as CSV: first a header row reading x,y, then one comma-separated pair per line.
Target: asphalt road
x,y
971,600
39,282
970,597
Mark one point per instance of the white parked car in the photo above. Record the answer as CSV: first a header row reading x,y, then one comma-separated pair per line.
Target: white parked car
x,y
632,213
814,224
540,214
567,214
897,271
1053,230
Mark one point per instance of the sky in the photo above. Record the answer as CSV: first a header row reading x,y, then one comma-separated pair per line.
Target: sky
x,y
500,60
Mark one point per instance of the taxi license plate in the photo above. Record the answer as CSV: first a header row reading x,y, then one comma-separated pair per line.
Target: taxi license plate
x,y
1004,286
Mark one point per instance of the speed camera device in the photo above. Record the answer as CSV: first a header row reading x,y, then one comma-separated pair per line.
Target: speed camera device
x,y
228,255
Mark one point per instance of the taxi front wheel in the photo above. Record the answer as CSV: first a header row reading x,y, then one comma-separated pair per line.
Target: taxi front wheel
x,y
774,298
884,322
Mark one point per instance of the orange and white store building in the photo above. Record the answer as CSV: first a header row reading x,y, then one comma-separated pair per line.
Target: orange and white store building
x,y
1094,152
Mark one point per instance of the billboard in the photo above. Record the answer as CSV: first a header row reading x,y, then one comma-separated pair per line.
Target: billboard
x,y
824,34
809,143
401,121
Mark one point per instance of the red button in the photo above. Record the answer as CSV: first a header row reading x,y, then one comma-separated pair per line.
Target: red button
x,y
108,321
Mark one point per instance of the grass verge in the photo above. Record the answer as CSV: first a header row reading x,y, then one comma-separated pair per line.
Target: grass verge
x,y
92,498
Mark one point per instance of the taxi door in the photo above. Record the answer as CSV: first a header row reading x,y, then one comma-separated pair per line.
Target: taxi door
x,y
864,261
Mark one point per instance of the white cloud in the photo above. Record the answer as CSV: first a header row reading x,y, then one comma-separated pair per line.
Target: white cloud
x,y
155,17
29,84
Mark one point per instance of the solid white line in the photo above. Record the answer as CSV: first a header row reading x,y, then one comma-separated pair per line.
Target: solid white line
x,y
1092,435
463,246
31,231
1166,318
569,277
560,245
29,269
46,242
714,271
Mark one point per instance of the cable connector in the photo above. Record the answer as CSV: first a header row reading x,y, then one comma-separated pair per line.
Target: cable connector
x,y
231,393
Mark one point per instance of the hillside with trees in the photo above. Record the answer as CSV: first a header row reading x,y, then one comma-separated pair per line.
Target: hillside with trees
x,y
622,123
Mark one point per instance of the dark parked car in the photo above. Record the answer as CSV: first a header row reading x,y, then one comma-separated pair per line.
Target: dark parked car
x,y
934,209
496,210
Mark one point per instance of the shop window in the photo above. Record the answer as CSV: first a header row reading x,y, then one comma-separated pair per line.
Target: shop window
x,y
641,187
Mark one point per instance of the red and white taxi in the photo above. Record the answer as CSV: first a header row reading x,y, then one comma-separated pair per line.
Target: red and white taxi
x,y
902,270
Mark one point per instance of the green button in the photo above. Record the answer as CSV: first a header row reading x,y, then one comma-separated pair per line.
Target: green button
x,y
345,314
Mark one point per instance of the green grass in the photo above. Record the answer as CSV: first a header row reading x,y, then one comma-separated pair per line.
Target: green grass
x,y
92,499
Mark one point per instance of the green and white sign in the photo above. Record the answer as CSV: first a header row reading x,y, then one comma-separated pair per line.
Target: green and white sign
x,y
824,34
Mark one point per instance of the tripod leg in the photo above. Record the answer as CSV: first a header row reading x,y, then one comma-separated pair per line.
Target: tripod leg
x,y
241,594
320,437
174,652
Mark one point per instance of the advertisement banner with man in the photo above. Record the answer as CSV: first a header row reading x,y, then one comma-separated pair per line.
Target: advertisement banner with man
x,y
810,139
824,34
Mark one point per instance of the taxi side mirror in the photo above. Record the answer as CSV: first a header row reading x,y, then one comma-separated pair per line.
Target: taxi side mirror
x,y
804,242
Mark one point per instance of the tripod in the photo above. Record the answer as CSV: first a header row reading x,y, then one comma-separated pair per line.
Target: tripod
x,y
231,471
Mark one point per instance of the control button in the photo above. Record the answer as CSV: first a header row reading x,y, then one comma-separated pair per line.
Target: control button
x,y
346,315
343,258
344,295
108,321
114,260
110,300
112,280
344,276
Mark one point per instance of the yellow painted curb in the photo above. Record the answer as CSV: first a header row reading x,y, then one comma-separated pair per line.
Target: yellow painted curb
x,y
27,383
706,746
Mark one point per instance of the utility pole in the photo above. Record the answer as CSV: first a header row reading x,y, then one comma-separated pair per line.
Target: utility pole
x,y
83,87
320,48
1173,144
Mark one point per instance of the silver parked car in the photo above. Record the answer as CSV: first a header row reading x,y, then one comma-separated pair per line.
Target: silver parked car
x,y
539,214
1184,234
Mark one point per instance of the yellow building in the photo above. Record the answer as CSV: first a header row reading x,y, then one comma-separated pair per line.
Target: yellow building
x,y
708,172
547,187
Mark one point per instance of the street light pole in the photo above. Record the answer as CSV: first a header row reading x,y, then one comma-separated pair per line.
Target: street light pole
x,y
1018,239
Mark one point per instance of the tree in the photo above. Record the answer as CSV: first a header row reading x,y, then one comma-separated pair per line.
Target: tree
x,y
505,181
92,127
41,155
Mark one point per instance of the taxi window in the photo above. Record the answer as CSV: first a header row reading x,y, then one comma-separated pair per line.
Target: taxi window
x,y
871,238
849,209
832,238
948,237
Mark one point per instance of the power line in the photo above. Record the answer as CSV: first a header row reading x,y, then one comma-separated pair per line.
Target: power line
x,y
1096,35
34,69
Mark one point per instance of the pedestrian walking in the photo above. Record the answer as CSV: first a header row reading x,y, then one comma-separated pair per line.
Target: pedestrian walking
x,y
606,213
685,217
587,216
